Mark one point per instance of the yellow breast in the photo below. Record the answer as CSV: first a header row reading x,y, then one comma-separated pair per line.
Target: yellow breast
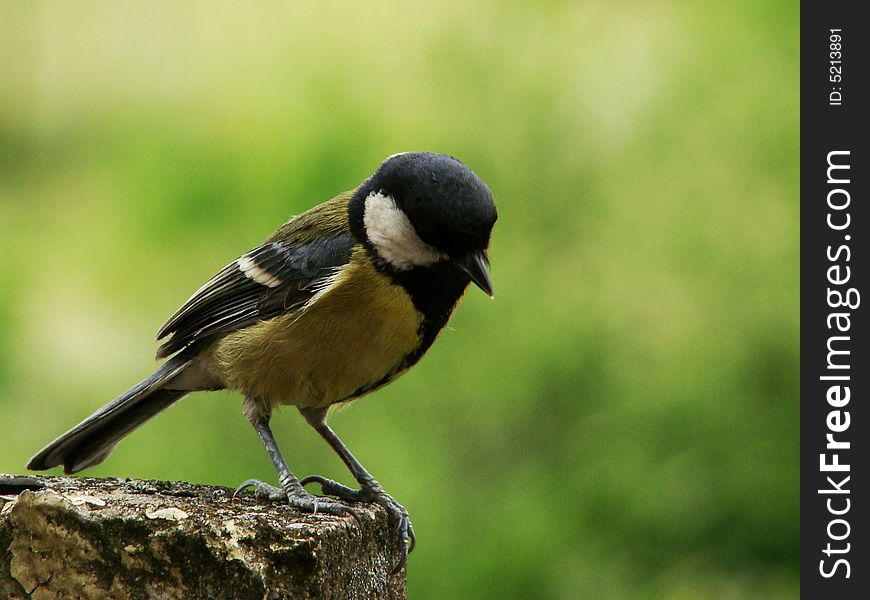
x,y
350,336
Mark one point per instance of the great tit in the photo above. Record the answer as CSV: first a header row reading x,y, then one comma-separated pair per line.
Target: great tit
x,y
337,303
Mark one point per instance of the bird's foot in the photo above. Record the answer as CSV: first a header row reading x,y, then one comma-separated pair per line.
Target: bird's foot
x,y
296,497
373,493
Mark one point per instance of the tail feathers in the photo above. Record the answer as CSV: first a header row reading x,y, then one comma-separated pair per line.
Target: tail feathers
x,y
91,441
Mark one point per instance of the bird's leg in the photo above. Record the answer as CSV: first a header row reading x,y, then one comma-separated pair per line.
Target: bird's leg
x,y
370,490
291,490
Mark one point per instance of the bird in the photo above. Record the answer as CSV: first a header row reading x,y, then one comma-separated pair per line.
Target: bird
x,y
337,303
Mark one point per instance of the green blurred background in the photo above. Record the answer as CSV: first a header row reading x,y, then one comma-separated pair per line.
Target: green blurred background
x,y
620,422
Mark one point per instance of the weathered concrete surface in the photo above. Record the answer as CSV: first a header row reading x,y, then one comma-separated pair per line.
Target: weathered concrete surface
x,y
113,538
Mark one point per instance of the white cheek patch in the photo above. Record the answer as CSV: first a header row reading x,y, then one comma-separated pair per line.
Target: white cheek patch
x,y
252,271
393,236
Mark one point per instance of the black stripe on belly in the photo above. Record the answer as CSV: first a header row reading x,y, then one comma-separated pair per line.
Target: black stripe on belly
x,y
434,290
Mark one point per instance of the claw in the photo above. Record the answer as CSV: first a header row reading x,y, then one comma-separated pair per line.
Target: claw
x,y
244,485
262,491
310,503
247,483
299,499
399,565
373,494
413,538
406,532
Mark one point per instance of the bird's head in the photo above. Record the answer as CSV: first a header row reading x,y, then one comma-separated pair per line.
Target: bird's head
x,y
420,209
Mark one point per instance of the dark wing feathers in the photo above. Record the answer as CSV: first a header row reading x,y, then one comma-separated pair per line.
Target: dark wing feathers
x,y
276,276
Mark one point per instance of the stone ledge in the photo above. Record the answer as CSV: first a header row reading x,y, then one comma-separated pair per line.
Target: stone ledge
x,y
66,537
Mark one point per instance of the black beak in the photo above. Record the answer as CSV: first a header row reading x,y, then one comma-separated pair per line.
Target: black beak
x,y
476,265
